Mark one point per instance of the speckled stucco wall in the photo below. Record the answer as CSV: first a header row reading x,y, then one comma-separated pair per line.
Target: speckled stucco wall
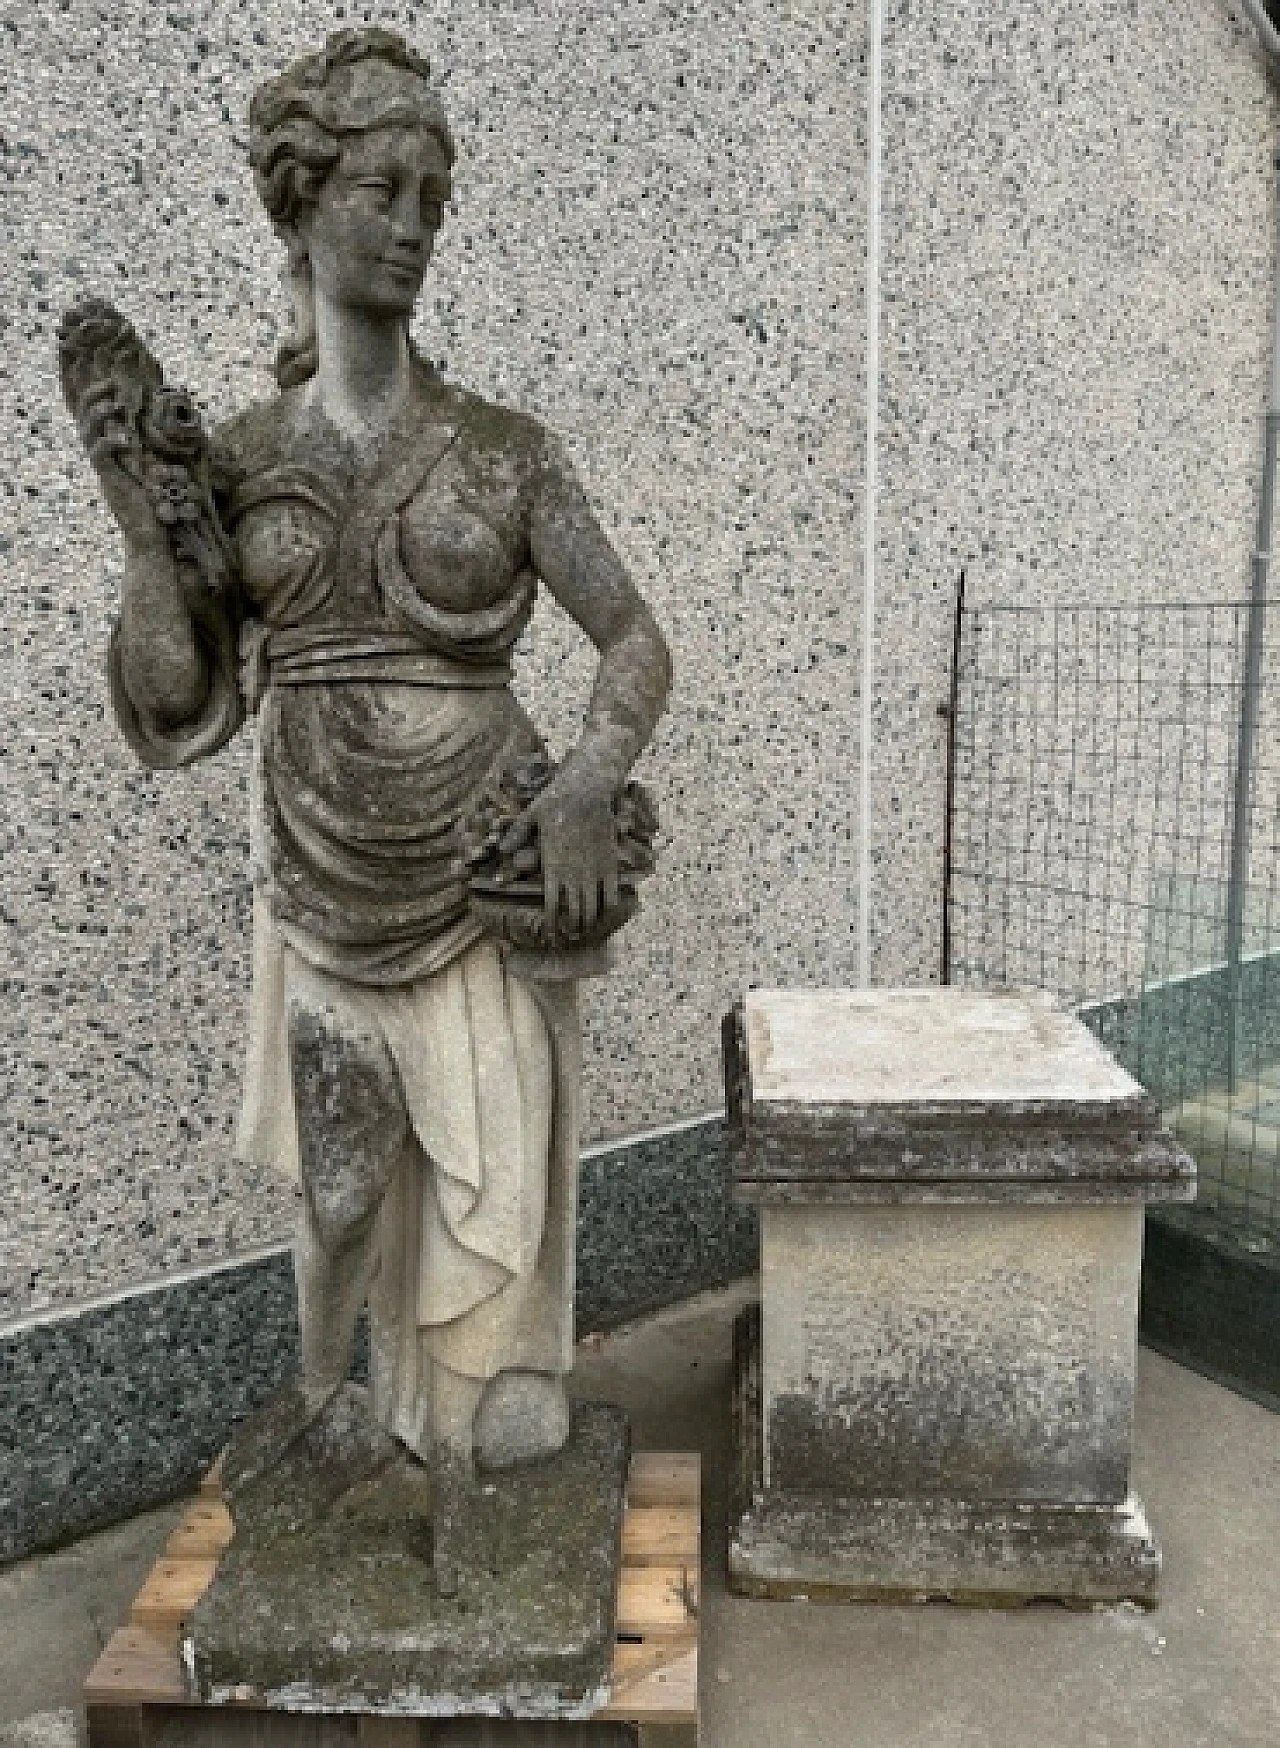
x,y
657,244
1077,283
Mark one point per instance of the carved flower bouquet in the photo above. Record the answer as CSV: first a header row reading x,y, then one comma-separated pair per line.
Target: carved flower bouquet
x,y
506,888
115,391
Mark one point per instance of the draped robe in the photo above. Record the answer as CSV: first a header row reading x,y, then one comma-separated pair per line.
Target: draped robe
x,y
384,605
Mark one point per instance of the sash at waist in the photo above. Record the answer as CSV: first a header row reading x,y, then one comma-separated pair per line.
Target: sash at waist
x,y
306,658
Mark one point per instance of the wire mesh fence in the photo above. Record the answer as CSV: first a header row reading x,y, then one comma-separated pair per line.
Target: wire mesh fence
x,y
1093,808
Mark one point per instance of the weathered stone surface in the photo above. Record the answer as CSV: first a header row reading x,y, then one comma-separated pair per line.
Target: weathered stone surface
x,y
973,1165
951,1186
830,1547
287,1465
407,823
972,1352
877,1047
934,1087
898,1550
327,1597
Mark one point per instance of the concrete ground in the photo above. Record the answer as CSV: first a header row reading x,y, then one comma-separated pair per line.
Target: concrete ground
x,y
1203,1669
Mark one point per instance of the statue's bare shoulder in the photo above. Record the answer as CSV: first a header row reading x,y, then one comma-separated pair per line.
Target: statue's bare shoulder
x,y
262,434
500,435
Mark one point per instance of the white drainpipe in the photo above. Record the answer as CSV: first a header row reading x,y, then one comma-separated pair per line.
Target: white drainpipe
x,y
876,31
1255,630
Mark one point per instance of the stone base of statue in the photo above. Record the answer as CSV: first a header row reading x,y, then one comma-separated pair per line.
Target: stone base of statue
x,y
139,1694
332,1596
935,1398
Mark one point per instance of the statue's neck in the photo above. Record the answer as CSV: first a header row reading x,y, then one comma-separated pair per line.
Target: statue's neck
x,y
365,370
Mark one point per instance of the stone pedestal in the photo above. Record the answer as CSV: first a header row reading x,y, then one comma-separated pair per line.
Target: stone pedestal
x,y
936,1395
327,1599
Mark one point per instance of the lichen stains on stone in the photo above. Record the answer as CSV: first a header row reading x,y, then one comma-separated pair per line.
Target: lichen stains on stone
x,y
345,1607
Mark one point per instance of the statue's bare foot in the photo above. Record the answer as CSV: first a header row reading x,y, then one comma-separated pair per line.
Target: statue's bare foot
x,y
522,1416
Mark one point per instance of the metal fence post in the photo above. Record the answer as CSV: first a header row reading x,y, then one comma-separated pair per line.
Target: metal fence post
x,y
950,710
1242,786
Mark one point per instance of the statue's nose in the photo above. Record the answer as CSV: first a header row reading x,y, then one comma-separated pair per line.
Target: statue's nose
x,y
406,222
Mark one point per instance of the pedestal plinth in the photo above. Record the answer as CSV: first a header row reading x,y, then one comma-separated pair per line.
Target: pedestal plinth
x,y
936,1395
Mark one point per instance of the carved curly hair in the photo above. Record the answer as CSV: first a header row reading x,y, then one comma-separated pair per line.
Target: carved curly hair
x,y
297,124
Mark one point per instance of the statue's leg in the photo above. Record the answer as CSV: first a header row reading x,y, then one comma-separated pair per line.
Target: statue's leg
x,y
352,1129
524,1413
333,1281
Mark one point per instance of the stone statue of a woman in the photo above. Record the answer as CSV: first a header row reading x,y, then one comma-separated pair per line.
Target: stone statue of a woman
x,y
363,558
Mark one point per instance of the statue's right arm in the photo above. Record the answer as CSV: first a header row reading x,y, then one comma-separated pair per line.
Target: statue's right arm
x,y
172,656
163,669
173,661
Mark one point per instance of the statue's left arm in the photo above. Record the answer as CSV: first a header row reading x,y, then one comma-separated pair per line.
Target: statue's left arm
x,y
573,556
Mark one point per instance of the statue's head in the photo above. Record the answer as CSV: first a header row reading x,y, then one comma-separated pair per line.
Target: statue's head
x,y
351,156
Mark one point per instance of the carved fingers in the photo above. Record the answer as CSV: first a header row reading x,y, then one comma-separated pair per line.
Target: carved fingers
x,y
111,442
602,879
573,824
107,375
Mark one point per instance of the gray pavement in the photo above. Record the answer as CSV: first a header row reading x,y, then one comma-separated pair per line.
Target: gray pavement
x,y
1202,1669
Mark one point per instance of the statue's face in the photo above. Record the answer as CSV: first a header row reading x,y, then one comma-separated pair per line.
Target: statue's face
x,y
372,229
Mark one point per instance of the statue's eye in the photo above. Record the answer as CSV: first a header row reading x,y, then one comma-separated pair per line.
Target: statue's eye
x,y
378,187
432,211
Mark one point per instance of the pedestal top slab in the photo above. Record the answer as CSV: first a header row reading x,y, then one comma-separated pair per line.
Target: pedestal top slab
x,y
849,1094
938,1046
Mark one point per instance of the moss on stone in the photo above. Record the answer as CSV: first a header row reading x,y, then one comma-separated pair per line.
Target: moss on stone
x,y
330,1598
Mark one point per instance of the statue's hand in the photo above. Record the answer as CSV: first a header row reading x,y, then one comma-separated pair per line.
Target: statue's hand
x,y
107,430
574,824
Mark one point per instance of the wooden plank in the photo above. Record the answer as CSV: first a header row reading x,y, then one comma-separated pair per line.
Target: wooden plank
x,y
211,1486
657,1601
171,1591
203,1533
635,1658
661,1693
660,1535
123,1726
373,1732
137,1665
665,1478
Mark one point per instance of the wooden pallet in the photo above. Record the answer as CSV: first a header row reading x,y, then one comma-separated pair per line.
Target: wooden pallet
x,y
135,1695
